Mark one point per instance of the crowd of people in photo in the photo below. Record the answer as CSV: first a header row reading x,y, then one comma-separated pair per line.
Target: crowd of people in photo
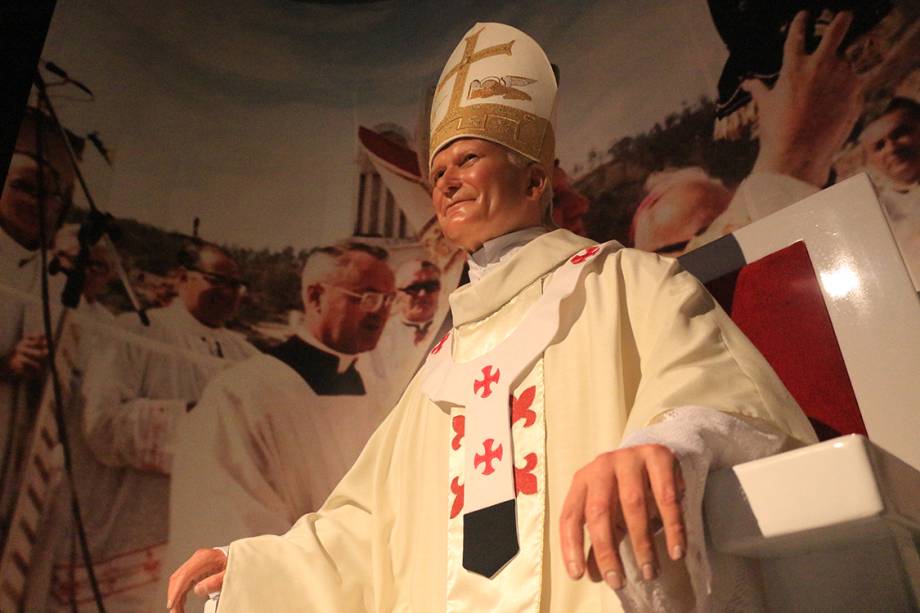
x,y
815,125
143,395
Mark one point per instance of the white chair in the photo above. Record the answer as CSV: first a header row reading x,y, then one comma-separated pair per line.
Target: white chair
x,y
833,526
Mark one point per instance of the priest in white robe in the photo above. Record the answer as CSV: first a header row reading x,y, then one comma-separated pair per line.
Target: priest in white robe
x,y
891,145
272,436
409,334
139,386
574,374
35,170
89,327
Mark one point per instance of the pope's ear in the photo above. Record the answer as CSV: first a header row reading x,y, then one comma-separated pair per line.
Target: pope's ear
x,y
538,181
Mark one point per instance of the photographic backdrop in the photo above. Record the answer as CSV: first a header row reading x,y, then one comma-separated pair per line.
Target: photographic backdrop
x,y
244,148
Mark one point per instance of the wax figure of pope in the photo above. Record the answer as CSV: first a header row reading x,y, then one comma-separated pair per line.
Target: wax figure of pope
x,y
575,373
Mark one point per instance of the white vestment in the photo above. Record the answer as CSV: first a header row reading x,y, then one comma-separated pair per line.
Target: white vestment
x,y
400,352
638,339
90,325
261,449
20,314
902,208
137,388
764,193
759,195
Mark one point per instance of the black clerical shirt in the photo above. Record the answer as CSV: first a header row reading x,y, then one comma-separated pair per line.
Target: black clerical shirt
x,y
319,368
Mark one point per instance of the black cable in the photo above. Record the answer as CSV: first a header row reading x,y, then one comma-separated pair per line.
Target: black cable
x,y
52,352
6,468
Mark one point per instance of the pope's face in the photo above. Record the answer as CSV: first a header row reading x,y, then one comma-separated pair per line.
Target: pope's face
x,y
892,146
479,194
681,213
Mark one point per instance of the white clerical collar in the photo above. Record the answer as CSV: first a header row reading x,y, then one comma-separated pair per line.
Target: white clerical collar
x,y
420,326
497,250
345,359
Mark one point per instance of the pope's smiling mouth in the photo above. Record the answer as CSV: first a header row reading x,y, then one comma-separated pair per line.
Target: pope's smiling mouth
x,y
453,206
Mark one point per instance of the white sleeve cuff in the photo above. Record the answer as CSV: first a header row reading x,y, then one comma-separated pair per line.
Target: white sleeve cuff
x,y
702,439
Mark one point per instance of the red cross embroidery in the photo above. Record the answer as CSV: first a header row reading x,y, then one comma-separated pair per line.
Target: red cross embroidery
x,y
525,482
458,423
485,384
456,488
520,407
440,344
584,254
488,456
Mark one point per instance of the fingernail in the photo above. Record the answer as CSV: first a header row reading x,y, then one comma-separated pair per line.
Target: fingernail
x,y
677,552
574,571
648,571
614,580
169,604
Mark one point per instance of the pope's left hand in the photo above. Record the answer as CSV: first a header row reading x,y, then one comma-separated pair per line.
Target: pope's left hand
x,y
618,493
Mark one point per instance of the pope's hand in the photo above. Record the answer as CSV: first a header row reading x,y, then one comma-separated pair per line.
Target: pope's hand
x,y
621,492
204,571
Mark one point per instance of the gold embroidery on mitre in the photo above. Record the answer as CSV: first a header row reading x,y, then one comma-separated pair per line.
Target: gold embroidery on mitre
x,y
462,68
519,130
500,86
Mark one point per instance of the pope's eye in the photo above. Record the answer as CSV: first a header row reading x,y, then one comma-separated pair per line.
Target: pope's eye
x,y
469,157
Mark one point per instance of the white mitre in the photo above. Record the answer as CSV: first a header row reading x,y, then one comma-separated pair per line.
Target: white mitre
x,y
498,85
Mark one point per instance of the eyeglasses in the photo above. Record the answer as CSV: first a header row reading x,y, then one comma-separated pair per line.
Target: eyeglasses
x,y
429,287
367,301
218,280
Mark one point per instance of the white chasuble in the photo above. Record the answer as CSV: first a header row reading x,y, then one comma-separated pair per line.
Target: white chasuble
x,y
637,338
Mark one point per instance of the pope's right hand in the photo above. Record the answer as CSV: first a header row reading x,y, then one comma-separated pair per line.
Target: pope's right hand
x,y
203,572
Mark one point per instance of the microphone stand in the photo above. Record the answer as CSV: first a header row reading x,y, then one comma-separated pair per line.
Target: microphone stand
x,y
70,297
98,226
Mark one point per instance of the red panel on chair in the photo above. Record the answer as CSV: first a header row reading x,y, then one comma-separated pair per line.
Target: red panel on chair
x,y
777,302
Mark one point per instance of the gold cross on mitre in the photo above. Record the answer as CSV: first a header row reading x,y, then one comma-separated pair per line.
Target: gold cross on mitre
x,y
515,119
462,68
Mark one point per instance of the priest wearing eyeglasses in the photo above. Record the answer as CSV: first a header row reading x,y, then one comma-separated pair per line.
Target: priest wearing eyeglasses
x,y
574,408
141,381
273,435
412,328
